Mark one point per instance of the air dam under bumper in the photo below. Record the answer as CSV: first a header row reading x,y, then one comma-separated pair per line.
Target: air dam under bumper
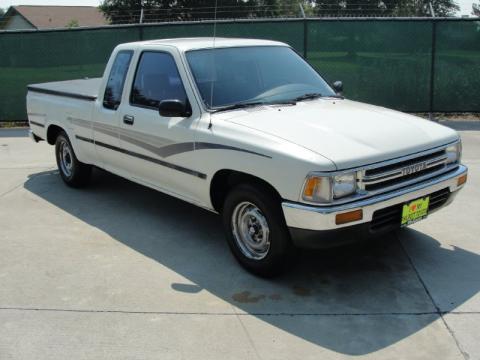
x,y
315,227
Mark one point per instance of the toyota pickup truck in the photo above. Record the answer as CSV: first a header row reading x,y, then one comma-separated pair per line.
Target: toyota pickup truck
x,y
248,129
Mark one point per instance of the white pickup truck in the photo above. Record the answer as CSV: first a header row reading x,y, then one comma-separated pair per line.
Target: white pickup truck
x,y
248,129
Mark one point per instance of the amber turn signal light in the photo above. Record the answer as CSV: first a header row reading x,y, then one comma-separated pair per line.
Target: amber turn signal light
x,y
462,180
349,217
310,186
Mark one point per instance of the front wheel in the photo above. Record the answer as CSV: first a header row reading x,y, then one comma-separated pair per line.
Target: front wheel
x,y
256,230
73,172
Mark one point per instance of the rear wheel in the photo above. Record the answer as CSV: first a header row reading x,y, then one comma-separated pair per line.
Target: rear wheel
x,y
73,172
256,230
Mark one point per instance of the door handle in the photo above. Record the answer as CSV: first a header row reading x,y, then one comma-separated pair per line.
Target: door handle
x,y
128,119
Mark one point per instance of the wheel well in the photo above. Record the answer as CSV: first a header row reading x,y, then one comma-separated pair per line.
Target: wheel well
x,y
225,180
52,133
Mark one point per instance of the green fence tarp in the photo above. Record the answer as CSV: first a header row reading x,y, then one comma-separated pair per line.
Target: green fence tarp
x,y
380,62
387,62
457,66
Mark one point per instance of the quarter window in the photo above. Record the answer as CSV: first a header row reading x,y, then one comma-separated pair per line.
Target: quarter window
x,y
116,80
156,79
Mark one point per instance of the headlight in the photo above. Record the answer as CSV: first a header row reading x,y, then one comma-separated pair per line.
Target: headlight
x,y
324,189
344,185
454,153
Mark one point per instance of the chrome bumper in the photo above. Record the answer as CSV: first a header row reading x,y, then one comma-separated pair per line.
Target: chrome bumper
x,y
320,218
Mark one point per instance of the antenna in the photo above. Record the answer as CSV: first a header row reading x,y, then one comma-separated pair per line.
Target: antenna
x,y
213,60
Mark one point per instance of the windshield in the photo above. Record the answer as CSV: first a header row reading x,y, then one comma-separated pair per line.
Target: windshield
x,y
266,74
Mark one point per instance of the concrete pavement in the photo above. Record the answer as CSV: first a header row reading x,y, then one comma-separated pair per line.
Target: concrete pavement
x,y
119,271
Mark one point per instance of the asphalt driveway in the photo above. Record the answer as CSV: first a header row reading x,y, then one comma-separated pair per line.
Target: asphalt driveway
x,y
119,271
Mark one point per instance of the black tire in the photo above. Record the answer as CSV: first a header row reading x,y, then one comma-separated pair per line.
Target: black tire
x,y
75,174
280,250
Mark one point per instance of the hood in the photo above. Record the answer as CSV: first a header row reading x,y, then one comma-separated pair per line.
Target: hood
x,y
348,133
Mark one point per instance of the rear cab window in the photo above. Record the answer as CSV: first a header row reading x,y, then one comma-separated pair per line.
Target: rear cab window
x,y
116,80
156,79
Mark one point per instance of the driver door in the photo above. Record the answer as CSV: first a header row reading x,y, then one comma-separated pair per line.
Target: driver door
x,y
158,150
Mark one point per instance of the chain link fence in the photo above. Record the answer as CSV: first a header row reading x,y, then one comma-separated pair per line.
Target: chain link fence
x,y
413,65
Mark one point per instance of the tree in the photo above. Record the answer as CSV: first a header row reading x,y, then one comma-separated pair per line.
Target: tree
x,y
292,8
354,8
476,9
2,12
128,11
385,7
422,7
443,7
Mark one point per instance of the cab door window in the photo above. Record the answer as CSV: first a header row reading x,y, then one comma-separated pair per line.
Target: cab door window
x,y
116,80
156,79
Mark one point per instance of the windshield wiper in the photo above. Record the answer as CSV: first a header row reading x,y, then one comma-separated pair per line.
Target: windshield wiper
x,y
283,102
317,95
254,103
308,96
239,106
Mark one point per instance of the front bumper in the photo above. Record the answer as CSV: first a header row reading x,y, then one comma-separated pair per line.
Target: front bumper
x,y
322,218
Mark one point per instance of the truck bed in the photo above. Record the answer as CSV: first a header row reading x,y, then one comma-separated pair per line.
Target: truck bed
x,y
84,89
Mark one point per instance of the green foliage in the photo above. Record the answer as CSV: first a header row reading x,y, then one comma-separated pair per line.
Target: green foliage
x,y
476,9
2,12
422,8
384,8
291,8
128,11
72,24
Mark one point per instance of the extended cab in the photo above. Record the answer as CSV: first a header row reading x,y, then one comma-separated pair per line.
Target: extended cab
x,y
248,129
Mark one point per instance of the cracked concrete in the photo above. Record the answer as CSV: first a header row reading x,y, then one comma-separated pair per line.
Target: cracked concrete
x,y
120,271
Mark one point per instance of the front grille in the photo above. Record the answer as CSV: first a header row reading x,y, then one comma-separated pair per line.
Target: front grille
x,y
404,172
386,218
401,164
391,217
398,180
438,199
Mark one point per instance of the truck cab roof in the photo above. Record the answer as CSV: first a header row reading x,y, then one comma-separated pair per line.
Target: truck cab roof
x,y
186,44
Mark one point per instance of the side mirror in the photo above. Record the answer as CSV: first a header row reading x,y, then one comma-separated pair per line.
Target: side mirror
x,y
338,86
174,108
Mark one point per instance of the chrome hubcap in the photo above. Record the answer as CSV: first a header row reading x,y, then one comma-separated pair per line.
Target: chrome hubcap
x,y
66,162
250,230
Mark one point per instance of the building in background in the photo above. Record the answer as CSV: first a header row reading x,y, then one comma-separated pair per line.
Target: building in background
x,y
26,17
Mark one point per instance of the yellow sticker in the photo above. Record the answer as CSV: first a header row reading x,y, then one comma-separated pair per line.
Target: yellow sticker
x,y
415,210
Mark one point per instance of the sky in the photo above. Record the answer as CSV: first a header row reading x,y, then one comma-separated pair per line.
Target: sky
x,y
465,5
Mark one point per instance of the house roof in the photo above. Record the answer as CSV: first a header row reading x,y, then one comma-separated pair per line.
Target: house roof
x,y
47,17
